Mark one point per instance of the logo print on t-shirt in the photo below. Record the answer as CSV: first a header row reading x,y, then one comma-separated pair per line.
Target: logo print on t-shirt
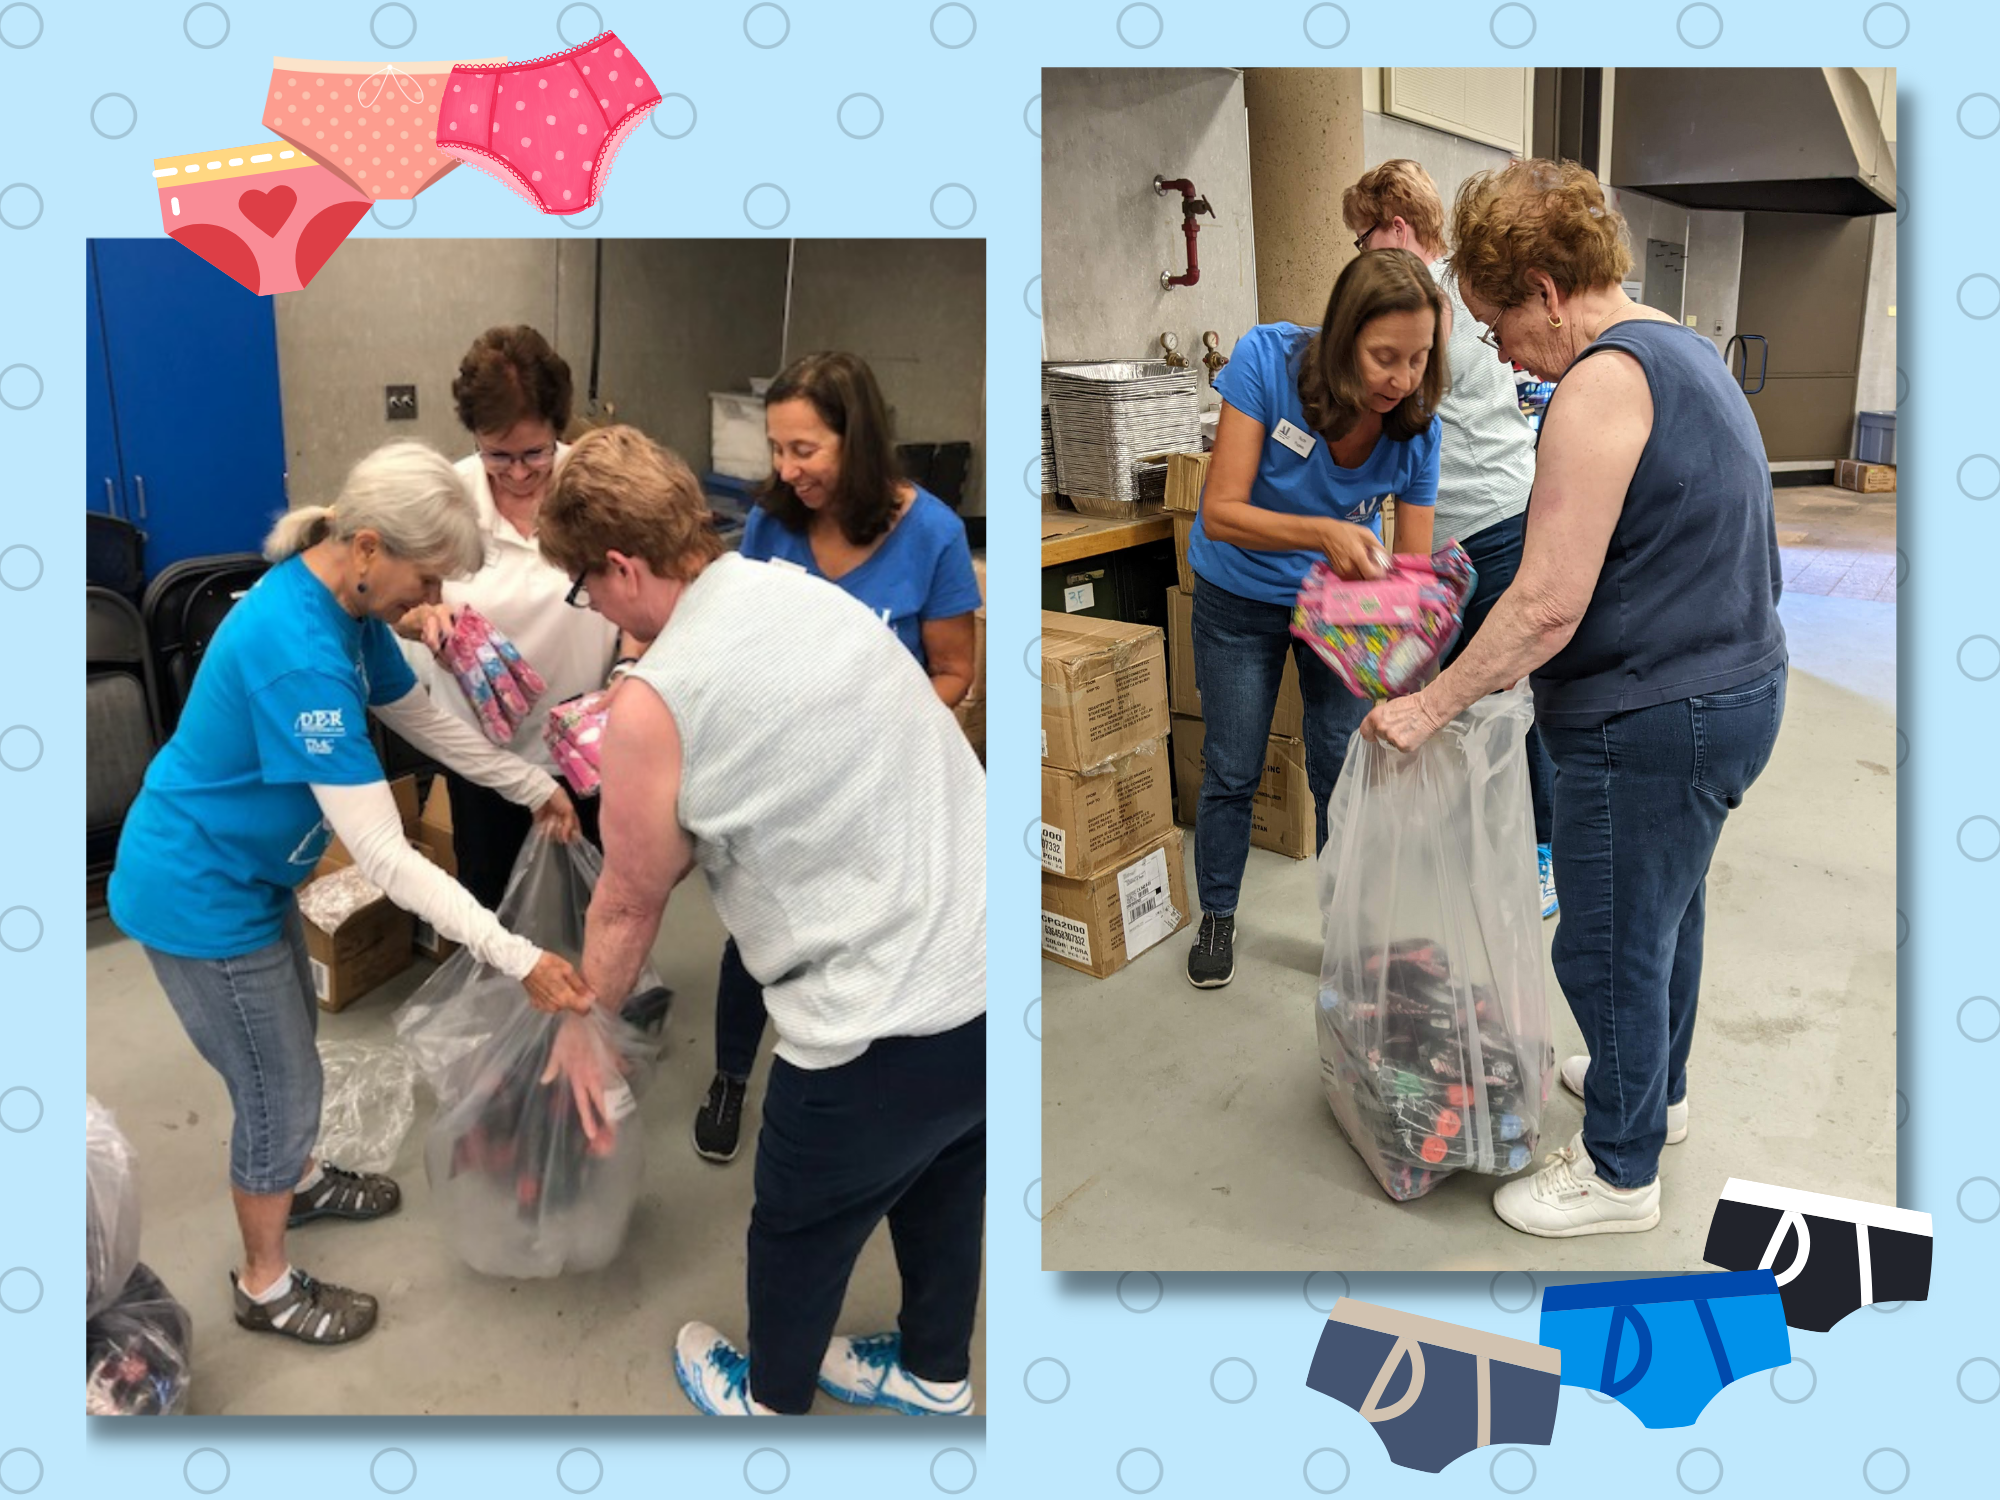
x,y
312,846
1365,513
321,722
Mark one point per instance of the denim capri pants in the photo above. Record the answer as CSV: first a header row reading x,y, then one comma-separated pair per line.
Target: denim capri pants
x,y
254,1020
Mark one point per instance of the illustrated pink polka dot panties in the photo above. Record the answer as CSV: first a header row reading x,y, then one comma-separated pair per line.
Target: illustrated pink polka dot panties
x,y
373,123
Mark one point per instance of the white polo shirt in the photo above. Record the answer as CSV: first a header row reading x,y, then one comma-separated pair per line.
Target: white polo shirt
x,y
523,595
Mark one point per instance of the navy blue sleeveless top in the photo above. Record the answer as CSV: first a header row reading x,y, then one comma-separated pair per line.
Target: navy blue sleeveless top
x,y
1688,599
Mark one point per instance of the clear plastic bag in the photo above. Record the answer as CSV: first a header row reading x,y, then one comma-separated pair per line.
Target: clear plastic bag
x,y
138,1352
519,1188
1434,1040
111,1208
368,1105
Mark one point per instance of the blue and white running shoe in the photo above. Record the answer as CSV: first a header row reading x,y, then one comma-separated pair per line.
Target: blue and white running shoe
x,y
868,1371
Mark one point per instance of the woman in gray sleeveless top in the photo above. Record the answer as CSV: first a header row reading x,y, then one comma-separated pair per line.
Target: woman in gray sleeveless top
x,y
1645,614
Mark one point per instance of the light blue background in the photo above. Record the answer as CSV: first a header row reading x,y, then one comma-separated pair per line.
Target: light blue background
x,y
1145,1363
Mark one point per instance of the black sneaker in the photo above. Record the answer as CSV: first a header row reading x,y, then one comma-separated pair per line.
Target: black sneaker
x,y
720,1121
1212,960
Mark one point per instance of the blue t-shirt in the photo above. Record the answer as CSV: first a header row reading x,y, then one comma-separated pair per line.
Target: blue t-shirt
x,y
1261,380
226,824
922,571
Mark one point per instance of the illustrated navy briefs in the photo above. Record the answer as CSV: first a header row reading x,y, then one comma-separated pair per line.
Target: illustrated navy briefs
x,y
1846,1254
1678,1340
1434,1391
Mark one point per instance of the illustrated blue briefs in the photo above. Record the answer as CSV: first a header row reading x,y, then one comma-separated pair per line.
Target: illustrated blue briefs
x,y
1465,1388
1664,1347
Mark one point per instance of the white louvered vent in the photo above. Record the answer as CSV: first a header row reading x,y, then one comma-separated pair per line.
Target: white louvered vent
x,y
1492,105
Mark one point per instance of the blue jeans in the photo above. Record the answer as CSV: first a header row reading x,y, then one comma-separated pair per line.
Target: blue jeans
x,y
254,1020
1239,661
1640,803
1496,554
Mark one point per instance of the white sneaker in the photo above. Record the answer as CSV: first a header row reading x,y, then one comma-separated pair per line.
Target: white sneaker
x,y
1574,1068
868,1371
1567,1198
715,1374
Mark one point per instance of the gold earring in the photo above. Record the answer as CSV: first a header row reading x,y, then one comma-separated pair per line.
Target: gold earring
x,y
1554,321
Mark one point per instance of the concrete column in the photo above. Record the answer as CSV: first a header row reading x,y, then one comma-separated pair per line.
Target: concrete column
x,y
1305,151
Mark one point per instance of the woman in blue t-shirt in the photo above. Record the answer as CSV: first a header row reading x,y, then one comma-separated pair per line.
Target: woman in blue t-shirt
x,y
837,506
1317,430
270,760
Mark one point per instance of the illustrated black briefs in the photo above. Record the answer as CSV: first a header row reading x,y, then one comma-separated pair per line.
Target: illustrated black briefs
x,y
1433,1390
1844,1254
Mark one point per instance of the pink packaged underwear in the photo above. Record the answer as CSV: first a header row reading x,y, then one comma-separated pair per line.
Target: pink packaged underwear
x,y
1381,635
549,127
267,215
573,733
500,686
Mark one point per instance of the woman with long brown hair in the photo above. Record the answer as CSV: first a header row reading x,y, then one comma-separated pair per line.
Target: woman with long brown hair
x,y
1318,429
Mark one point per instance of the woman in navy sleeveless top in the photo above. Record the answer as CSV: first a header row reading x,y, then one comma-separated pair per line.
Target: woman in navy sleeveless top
x,y
1645,615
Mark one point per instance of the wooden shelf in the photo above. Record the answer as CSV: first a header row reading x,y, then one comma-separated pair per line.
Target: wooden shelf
x,y
1095,536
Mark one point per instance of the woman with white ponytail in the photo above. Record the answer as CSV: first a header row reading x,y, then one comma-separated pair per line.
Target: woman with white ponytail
x,y
272,758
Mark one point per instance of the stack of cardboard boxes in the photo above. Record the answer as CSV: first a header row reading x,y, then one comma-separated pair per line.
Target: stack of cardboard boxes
x,y
1113,877
1282,820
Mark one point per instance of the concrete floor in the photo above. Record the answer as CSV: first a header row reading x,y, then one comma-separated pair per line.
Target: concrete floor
x,y
1186,1130
451,1341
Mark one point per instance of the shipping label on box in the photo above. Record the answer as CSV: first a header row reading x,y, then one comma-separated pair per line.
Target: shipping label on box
x,y
1281,816
1104,689
1100,924
1288,720
1090,823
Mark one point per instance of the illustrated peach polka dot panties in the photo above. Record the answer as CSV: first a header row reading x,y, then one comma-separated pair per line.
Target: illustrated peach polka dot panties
x,y
549,127
374,123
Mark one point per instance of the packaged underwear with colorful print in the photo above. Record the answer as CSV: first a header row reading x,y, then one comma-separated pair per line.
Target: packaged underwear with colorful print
x,y
1382,635
499,684
574,734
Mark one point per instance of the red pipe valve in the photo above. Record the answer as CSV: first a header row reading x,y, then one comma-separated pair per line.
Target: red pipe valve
x,y
1191,206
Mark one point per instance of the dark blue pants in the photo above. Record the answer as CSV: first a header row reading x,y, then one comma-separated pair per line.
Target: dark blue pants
x,y
898,1133
1239,660
1640,802
739,1016
1496,554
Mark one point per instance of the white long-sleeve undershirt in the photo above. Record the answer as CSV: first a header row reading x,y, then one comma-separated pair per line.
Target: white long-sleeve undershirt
x,y
366,819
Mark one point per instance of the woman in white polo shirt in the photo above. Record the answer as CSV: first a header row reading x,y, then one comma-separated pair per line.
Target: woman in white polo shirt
x,y
513,395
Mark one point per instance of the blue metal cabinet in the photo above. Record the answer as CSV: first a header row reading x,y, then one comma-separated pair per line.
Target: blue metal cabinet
x,y
184,416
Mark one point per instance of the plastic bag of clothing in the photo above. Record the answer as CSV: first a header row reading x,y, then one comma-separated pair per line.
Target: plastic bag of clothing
x,y
1434,1040
111,1208
138,1352
368,1105
519,1187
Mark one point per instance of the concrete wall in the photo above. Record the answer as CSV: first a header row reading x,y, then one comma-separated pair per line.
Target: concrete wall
x,y
1876,389
681,318
916,311
1450,159
1305,152
1106,236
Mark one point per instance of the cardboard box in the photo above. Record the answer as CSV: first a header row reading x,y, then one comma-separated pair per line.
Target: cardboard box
x,y
1100,925
1868,479
1281,818
1183,534
1092,823
434,838
1288,720
1104,689
971,710
1186,474
377,942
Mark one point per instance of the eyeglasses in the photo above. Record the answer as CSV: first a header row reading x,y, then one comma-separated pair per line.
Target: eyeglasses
x,y
534,460
1361,240
578,596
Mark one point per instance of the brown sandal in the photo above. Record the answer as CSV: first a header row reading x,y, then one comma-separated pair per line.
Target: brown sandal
x,y
341,1194
311,1311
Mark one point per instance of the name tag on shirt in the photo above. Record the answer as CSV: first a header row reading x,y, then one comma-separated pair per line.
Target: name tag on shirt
x,y
1294,438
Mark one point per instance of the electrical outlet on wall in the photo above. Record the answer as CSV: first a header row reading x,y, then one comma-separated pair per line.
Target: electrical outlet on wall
x,y
402,403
